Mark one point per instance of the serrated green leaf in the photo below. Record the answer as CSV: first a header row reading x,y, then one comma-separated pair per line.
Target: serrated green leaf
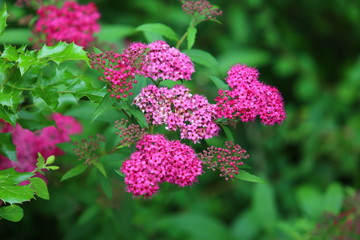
x,y
10,53
26,60
49,95
74,172
63,52
40,187
11,177
104,106
228,133
191,37
7,147
16,194
220,84
101,168
158,28
11,98
248,177
3,16
11,213
40,164
8,116
203,58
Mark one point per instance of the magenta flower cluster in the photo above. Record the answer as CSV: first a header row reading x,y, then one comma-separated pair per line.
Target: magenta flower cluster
x,y
29,144
249,98
71,23
178,109
159,160
202,8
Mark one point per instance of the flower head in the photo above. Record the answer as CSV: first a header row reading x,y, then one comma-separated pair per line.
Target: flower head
x,y
71,23
202,8
249,98
179,109
159,160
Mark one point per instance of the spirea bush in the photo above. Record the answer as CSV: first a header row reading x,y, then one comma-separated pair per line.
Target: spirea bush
x,y
163,128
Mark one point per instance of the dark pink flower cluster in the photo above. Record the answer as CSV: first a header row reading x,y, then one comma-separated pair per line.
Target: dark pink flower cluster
x,y
29,144
87,149
71,23
178,109
227,160
201,7
249,98
163,62
159,160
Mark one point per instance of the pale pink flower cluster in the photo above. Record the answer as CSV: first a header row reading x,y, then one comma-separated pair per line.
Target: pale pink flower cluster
x,y
159,160
162,62
29,144
71,23
249,98
179,109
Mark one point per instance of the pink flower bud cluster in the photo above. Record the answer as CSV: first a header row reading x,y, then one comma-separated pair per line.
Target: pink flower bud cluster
x,y
249,98
29,144
201,7
159,160
163,62
227,160
71,23
129,134
178,109
87,149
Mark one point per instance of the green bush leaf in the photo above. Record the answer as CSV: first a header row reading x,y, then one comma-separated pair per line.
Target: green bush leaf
x,y
10,98
26,60
311,200
12,213
3,17
49,95
40,187
245,176
16,194
101,168
203,58
191,37
7,147
8,116
11,177
139,116
63,52
113,33
74,172
228,133
264,206
158,28
220,84
105,105
334,198
10,53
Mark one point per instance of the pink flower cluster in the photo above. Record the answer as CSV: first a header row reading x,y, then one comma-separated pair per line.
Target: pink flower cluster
x,y
227,160
177,108
29,144
159,160
71,23
201,7
249,98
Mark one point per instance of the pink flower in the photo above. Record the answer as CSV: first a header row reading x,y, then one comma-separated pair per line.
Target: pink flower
x,y
200,7
159,160
249,98
71,23
178,109
67,124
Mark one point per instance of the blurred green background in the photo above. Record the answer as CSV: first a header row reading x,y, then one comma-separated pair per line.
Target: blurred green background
x,y
310,51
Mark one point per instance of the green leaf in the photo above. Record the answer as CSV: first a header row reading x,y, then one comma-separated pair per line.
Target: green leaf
x,y
8,116
12,213
152,37
158,28
220,84
106,104
10,53
10,177
203,58
62,52
311,200
119,173
113,33
106,186
139,116
16,194
26,60
334,198
53,168
3,16
191,37
74,172
228,133
16,36
11,98
264,206
7,147
248,177
40,187
40,164
50,160
49,95
101,168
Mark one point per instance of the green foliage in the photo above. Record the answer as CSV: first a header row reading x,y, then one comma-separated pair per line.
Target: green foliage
x,y
3,16
158,28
